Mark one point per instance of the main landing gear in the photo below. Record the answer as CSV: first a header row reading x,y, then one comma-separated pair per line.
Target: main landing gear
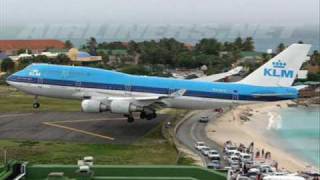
x,y
143,115
130,118
36,103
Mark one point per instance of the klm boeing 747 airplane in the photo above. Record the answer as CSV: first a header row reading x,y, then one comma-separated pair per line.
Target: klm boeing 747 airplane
x,y
102,90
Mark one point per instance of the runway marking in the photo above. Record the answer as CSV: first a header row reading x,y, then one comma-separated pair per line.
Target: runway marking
x,y
78,130
15,115
57,125
87,120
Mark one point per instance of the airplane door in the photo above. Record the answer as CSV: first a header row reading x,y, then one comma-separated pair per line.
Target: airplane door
x,y
127,90
235,96
170,91
40,82
78,86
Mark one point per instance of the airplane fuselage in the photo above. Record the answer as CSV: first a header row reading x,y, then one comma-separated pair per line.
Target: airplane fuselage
x,y
83,83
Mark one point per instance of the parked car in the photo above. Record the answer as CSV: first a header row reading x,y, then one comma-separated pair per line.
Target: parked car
x,y
205,150
232,153
214,165
204,119
233,159
234,165
244,157
199,145
264,168
229,147
213,154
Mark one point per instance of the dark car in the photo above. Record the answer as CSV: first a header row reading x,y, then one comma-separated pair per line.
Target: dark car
x,y
204,119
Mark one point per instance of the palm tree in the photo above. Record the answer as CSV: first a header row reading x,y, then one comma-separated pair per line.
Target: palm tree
x,y
92,46
68,44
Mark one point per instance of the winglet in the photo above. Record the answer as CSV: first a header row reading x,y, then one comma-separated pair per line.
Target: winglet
x,y
178,93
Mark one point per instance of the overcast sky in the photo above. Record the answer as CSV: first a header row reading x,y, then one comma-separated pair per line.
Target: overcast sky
x,y
272,12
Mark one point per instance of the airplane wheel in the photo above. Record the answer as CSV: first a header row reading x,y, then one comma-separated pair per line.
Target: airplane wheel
x,y
154,115
36,105
130,119
151,116
142,115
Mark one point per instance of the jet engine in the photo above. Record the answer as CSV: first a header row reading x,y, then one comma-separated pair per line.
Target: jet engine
x,y
124,107
116,106
93,106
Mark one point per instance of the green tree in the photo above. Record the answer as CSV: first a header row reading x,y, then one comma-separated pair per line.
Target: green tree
x,y
185,59
315,58
208,46
24,62
248,44
24,51
68,44
41,59
313,77
135,69
280,48
238,43
61,59
133,48
92,46
227,46
7,65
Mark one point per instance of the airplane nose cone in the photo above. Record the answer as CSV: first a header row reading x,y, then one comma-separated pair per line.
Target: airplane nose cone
x,y
9,79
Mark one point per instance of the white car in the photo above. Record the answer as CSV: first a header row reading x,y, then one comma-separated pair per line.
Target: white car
x,y
205,150
233,159
229,148
199,145
244,157
232,153
213,154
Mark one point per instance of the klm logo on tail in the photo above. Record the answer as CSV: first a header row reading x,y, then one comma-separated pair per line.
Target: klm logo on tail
x,y
278,70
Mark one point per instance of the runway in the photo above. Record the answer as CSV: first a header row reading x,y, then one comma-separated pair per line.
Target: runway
x,y
74,127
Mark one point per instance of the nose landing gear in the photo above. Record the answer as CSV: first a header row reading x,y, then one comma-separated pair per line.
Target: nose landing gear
x,y
36,103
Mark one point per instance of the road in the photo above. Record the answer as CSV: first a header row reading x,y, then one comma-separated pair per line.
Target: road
x,y
191,131
74,127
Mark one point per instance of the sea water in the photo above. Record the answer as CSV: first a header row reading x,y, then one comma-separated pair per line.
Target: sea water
x,y
299,131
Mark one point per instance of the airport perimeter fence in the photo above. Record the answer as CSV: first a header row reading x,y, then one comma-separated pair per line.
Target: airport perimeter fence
x,y
129,172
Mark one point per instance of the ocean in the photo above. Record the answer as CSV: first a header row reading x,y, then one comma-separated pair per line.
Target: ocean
x,y
298,130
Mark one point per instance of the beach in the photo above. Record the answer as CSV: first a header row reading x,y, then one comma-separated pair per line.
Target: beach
x,y
264,116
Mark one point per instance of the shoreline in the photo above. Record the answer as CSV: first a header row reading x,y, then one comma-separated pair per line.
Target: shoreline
x,y
229,126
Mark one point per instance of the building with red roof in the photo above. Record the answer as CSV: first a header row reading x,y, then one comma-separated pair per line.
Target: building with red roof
x,y
11,47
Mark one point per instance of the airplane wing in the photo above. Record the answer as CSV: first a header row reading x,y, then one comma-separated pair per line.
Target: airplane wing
x,y
299,87
216,77
139,100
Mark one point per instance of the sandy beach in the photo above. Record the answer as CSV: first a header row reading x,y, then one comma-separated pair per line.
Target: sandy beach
x,y
230,127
